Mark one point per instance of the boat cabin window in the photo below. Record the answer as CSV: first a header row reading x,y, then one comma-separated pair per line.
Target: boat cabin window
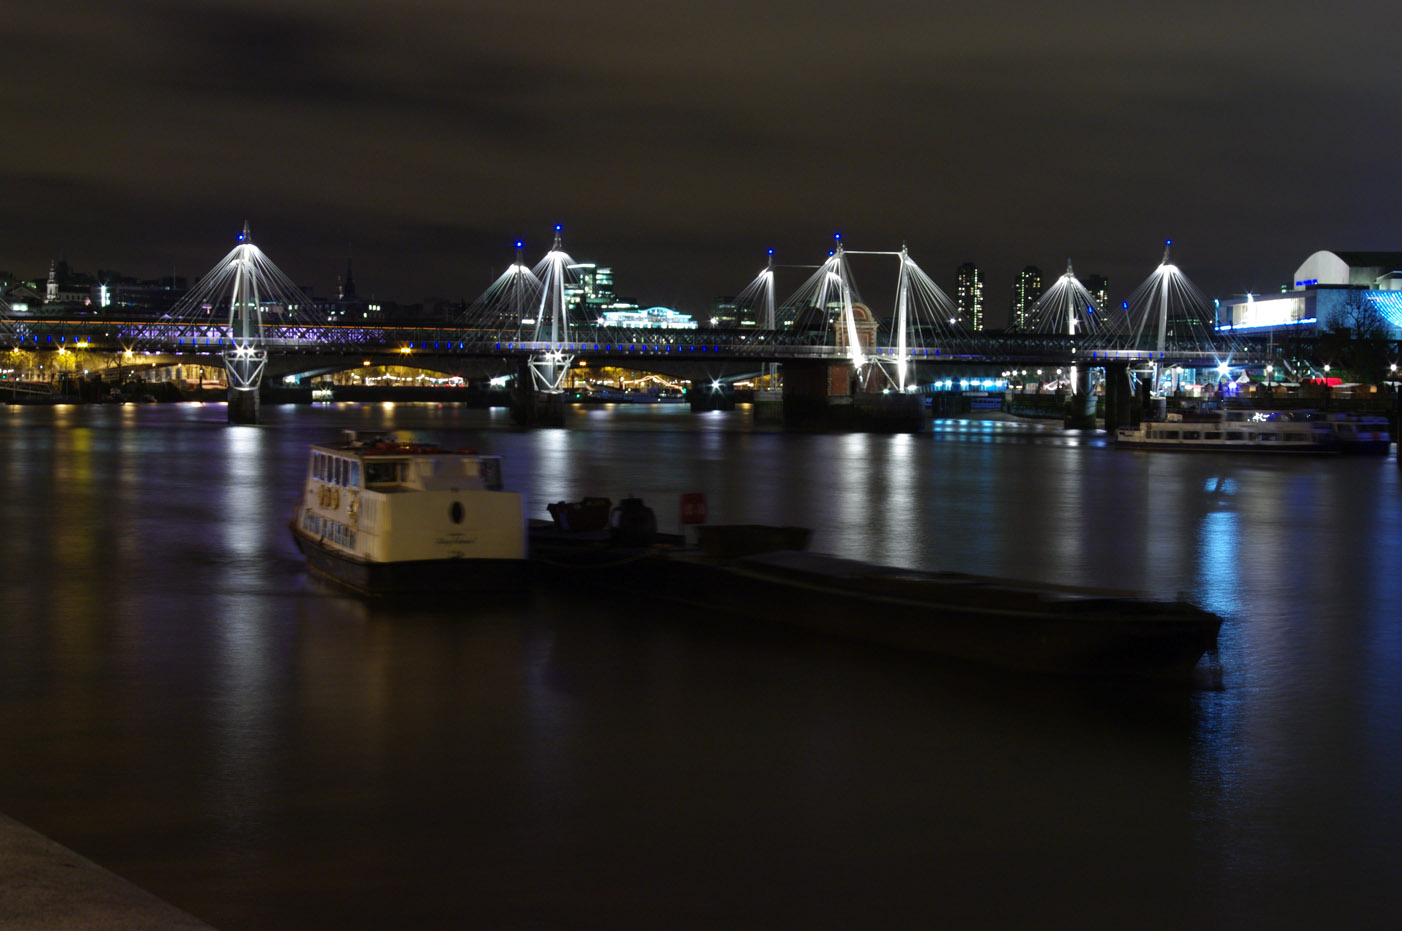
x,y
1267,437
489,467
1170,434
1191,435
384,473
1212,435
1235,435
335,470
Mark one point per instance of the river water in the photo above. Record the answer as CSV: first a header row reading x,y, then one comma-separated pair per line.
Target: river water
x,y
180,702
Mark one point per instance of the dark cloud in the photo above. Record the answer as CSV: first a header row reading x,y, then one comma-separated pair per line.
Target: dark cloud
x,y
677,141
244,51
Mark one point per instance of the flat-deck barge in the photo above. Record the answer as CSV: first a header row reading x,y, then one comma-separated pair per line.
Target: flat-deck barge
x,y
757,573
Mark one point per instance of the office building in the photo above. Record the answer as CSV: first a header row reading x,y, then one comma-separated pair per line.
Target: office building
x,y
1027,288
968,295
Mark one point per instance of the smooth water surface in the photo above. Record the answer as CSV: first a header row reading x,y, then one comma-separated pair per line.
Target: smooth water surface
x,y
180,702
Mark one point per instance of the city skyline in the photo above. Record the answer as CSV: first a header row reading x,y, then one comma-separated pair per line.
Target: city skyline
x,y
679,144
591,285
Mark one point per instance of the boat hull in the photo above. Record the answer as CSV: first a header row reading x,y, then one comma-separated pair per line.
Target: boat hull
x,y
412,577
1379,447
1269,449
1109,636
1047,629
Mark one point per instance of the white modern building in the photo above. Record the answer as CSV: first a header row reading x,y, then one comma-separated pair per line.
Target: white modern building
x,y
1328,289
653,318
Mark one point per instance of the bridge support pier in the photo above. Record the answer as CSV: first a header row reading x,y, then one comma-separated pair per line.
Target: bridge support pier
x,y
243,405
243,366
532,408
821,395
769,407
817,395
707,398
1150,407
1119,397
1080,411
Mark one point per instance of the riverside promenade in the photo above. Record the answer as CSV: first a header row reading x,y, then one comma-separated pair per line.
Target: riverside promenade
x,y
47,887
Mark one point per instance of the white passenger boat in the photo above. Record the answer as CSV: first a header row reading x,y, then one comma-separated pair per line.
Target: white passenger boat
x,y
1366,434
1232,431
383,516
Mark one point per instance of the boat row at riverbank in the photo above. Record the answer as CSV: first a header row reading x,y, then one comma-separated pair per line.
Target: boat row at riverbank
x,y
383,516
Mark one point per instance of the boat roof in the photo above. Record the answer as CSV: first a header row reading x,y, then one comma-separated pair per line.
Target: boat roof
x,y
388,444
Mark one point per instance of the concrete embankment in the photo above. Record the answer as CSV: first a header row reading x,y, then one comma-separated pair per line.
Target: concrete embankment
x,y
47,887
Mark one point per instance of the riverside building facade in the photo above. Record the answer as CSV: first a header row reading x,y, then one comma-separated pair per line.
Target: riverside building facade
x,y
1331,289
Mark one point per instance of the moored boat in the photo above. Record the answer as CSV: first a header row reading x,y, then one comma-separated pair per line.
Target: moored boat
x,y
753,572
1232,431
1362,434
383,516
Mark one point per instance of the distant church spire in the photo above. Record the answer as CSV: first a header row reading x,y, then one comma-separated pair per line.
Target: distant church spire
x,y
348,286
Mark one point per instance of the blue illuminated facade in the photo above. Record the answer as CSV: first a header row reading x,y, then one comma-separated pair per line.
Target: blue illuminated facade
x,y
1331,290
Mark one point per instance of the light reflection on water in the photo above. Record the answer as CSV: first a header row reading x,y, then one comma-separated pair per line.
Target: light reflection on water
x,y
199,715
1217,548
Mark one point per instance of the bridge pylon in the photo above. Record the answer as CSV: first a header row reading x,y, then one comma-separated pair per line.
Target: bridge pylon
x,y
548,367
246,356
540,382
252,288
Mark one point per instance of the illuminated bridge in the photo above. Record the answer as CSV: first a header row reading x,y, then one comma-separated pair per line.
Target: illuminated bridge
x,y
390,344
248,317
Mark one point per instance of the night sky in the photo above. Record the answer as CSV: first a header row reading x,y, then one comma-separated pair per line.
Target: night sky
x,y
678,140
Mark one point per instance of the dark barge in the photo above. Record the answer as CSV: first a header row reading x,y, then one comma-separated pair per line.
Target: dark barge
x,y
764,574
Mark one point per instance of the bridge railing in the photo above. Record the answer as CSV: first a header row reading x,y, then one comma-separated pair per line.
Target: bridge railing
x,y
98,333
